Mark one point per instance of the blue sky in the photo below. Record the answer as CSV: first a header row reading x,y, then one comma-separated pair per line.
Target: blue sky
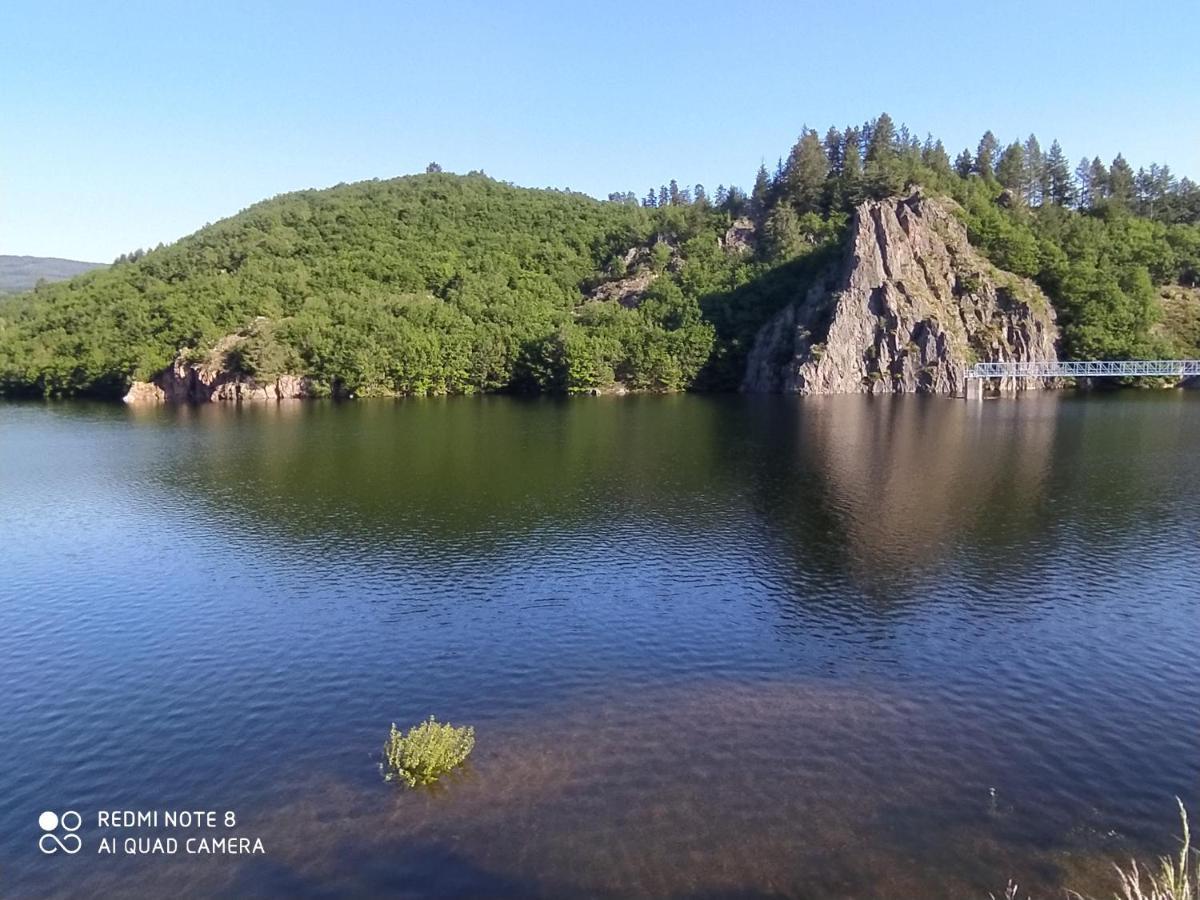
x,y
126,124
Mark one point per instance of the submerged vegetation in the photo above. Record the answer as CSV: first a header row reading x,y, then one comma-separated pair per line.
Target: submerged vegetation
x,y
438,283
426,752
1176,877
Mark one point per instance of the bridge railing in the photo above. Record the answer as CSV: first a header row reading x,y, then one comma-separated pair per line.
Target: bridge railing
x,y
1125,368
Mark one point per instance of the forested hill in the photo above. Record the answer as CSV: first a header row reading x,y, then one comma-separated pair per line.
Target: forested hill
x,y
442,283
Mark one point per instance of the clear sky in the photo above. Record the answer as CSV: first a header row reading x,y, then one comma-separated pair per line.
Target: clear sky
x,y
126,124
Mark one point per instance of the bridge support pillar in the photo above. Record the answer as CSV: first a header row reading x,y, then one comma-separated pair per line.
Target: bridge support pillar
x,y
973,389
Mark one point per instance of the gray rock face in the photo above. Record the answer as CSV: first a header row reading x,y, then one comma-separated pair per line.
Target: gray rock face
x,y
189,382
908,309
740,237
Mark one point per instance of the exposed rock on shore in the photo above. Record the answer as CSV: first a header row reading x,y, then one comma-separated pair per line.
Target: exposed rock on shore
x,y
908,309
212,380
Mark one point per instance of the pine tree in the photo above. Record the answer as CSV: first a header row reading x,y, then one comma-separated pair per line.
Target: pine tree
x,y
963,164
1120,181
664,198
883,173
760,197
699,195
736,201
1084,194
1058,177
721,197
1098,178
651,200
673,192
851,187
1035,172
881,146
1010,170
935,157
784,237
985,155
807,167
834,150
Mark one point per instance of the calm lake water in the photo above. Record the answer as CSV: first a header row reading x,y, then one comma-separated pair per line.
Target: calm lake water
x,y
711,647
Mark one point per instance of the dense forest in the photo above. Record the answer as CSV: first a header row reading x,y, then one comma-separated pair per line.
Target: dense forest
x,y
438,283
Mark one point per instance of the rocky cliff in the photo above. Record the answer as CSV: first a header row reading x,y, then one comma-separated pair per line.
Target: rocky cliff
x,y
212,379
908,309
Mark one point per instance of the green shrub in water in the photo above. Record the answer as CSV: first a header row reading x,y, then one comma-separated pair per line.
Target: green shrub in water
x,y
426,752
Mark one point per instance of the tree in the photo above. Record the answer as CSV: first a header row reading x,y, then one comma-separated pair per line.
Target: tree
x,y
432,168
737,203
881,143
1120,181
883,174
964,164
651,200
1098,179
807,168
850,187
721,196
985,156
1035,186
834,150
1058,177
664,198
760,196
1010,170
784,236
699,195
934,155
1084,196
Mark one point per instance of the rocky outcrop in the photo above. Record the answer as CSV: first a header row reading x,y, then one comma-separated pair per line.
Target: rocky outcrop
x,y
908,309
740,237
640,270
208,381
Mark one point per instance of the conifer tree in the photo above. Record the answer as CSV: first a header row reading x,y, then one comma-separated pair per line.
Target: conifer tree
x,y
881,145
1010,170
1098,178
985,155
935,157
851,188
1035,172
1084,195
834,150
1120,181
760,196
1058,177
963,164
807,168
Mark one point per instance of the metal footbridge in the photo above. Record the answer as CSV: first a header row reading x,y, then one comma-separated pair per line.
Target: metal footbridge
x,y
1124,368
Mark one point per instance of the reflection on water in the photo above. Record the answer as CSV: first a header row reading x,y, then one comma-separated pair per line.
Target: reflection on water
x,y
843,647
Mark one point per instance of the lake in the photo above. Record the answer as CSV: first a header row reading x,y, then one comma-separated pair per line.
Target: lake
x,y
711,646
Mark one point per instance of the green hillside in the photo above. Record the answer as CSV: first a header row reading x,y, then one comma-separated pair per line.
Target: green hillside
x,y
439,283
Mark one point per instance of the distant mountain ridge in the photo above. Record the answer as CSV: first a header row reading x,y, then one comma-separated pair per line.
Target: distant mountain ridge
x,y
22,273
